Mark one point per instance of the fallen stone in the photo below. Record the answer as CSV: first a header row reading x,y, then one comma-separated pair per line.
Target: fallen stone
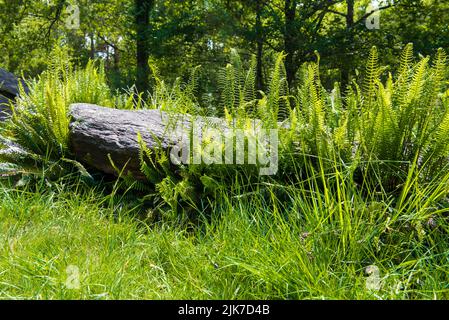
x,y
9,90
96,132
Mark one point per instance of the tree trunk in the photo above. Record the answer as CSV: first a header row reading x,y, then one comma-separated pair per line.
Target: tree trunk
x,y
345,67
116,59
289,40
97,133
142,17
92,46
259,44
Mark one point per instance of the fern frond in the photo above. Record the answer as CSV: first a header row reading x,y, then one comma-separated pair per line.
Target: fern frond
x,y
371,77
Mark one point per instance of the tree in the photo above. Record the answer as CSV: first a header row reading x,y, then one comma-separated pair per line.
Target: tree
x,y
353,32
178,35
259,44
142,16
290,39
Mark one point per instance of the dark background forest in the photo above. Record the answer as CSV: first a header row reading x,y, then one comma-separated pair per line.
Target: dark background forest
x,y
180,35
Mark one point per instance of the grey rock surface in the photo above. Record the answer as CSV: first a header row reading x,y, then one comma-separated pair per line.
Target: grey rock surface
x,y
97,131
9,84
9,90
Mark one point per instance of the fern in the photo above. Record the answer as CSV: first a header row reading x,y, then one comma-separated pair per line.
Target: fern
x,y
438,74
406,62
39,125
178,97
371,77
238,89
278,99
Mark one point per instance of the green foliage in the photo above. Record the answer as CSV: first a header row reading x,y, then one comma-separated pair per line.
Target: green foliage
x,y
238,87
363,169
316,115
35,139
363,178
381,127
184,34
178,97
278,98
377,131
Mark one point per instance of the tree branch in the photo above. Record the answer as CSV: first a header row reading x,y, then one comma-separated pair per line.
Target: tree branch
x,y
335,12
59,9
367,15
109,43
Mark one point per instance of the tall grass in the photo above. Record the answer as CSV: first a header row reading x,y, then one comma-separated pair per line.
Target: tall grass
x,y
358,209
281,242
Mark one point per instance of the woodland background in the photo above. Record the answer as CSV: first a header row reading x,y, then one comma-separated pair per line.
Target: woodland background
x,y
180,35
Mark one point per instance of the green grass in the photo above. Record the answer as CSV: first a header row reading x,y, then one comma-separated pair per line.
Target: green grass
x,y
278,243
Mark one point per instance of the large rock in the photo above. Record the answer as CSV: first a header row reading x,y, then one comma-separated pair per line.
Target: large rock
x,y
9,84
97,131
9,90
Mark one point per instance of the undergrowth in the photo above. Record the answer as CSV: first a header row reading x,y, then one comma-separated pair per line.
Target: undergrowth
x,y
358,208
